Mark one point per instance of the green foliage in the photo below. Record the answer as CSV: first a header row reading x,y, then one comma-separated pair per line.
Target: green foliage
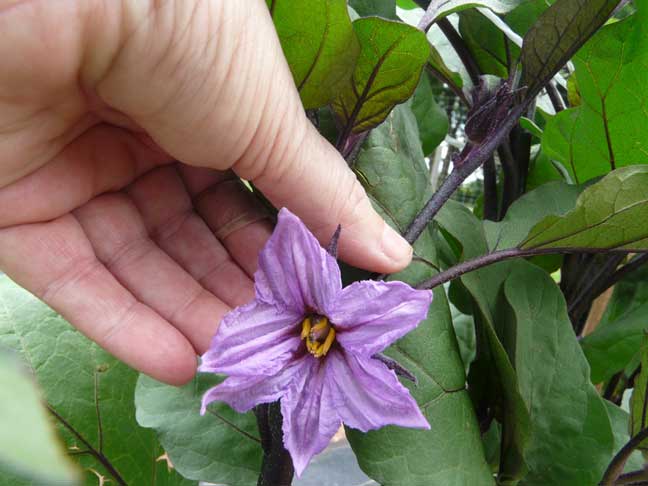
x,y
639,400
609,128
381,8
610,214
26,431
556,36
492,378
320,46
614,345
392,168
572,439
432,120
82,384
392,56
221,446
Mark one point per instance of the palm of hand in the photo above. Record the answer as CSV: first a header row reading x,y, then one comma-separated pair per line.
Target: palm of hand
x,y
146,271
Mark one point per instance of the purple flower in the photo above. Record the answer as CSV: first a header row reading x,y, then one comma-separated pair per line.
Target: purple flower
x,y
309,342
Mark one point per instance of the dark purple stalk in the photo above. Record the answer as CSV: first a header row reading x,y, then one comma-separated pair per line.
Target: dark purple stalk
x,y
615,469
499,256
473,160
277,468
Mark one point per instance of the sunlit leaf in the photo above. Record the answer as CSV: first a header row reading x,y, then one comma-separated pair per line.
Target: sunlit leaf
x,y
320,46
556,36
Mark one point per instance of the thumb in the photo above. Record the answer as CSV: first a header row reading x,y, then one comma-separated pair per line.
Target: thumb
x,y
209,82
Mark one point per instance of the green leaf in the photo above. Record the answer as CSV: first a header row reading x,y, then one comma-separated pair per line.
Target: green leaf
x,y
612,346
557,35
486,43
432,120
619,419
572,436
639,399
319,43
380,8
554,198
609,128
29,446
610,214
81,384
437,65
392,168
392,56
492,375
221,447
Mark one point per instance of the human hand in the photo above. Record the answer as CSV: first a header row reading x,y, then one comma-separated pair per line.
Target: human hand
x,y
143,254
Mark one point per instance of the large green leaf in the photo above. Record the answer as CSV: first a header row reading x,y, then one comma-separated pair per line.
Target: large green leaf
x,y
220,447
609,129
610,214
432,120
82,384
319,43
557,35
492,375
639,399
392,55
29,446
392,168
572,440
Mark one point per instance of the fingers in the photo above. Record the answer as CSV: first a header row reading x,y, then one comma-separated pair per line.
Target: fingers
x,y
194,76
103,159
231,212
56,262
169,216
121,243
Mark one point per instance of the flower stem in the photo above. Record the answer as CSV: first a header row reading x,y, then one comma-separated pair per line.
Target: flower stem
x,y
277,468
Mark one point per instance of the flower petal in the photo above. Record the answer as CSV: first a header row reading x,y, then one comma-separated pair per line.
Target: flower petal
x,y
369,315
244,392
295,272
254,339
309,419
367,395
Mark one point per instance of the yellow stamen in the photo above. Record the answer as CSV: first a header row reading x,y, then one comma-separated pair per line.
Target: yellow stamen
x,y
306,328
326,345
321,325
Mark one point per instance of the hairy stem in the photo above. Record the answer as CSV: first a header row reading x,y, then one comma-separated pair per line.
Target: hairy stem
x,y
473,160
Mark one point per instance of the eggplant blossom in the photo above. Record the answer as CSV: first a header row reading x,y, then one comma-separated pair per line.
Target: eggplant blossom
x,y
308,342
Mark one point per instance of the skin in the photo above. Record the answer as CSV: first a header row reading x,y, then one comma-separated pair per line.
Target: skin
x,y
123,126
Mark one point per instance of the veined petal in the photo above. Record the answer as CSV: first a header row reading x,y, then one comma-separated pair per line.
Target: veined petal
x,y
244,392
367,395
295,272
309,419
254,339
369,316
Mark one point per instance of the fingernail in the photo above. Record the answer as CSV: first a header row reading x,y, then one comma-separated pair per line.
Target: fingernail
x,y
395,247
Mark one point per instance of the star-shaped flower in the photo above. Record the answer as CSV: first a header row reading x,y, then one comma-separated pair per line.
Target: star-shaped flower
x,y
309,342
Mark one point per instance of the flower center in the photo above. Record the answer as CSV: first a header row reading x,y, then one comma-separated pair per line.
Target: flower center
x,y
319,335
